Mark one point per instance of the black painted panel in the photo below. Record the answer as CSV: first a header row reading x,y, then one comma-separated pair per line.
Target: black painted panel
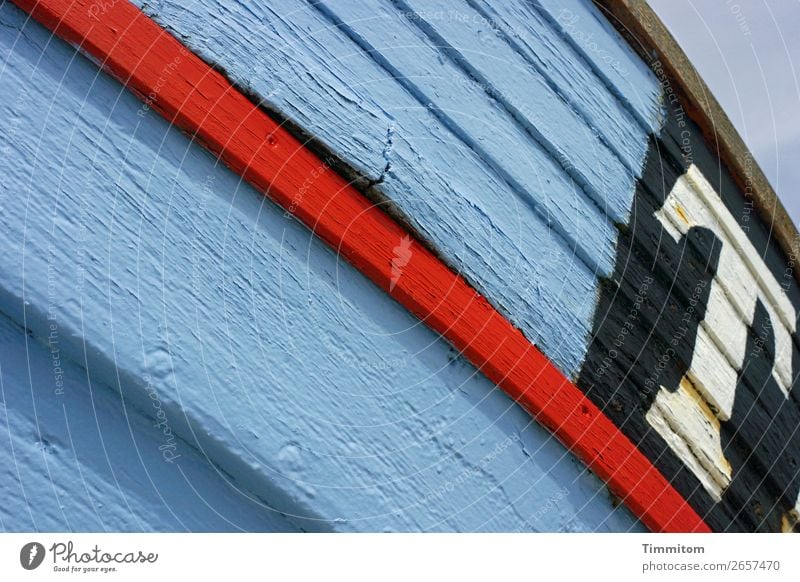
x,y
644,337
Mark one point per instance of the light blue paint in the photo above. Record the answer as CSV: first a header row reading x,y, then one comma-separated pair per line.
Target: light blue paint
x,y
534,102
306,385
619,106
612,59
513,155
75,458
478,109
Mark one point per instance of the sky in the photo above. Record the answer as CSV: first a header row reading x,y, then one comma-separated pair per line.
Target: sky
x,y
748,52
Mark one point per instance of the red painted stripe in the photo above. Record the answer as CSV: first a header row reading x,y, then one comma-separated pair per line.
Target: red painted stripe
x,y
153,64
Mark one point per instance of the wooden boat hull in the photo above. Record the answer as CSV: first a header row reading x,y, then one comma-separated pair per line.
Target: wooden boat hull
x,y
512,198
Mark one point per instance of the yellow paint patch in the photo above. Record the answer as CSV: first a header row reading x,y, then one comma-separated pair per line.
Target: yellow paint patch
x,y
691,391
789,521
682,214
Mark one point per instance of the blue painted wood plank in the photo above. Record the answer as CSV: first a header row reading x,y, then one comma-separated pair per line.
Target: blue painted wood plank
x,y
521,231
525,98
588,32
574,74
305,384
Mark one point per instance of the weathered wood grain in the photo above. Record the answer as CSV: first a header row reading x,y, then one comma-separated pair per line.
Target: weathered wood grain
x,y
557,43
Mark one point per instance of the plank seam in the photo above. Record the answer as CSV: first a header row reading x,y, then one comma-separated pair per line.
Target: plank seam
x,y
419,94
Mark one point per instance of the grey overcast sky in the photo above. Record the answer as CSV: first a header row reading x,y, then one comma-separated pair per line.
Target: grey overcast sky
x,y
748,52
